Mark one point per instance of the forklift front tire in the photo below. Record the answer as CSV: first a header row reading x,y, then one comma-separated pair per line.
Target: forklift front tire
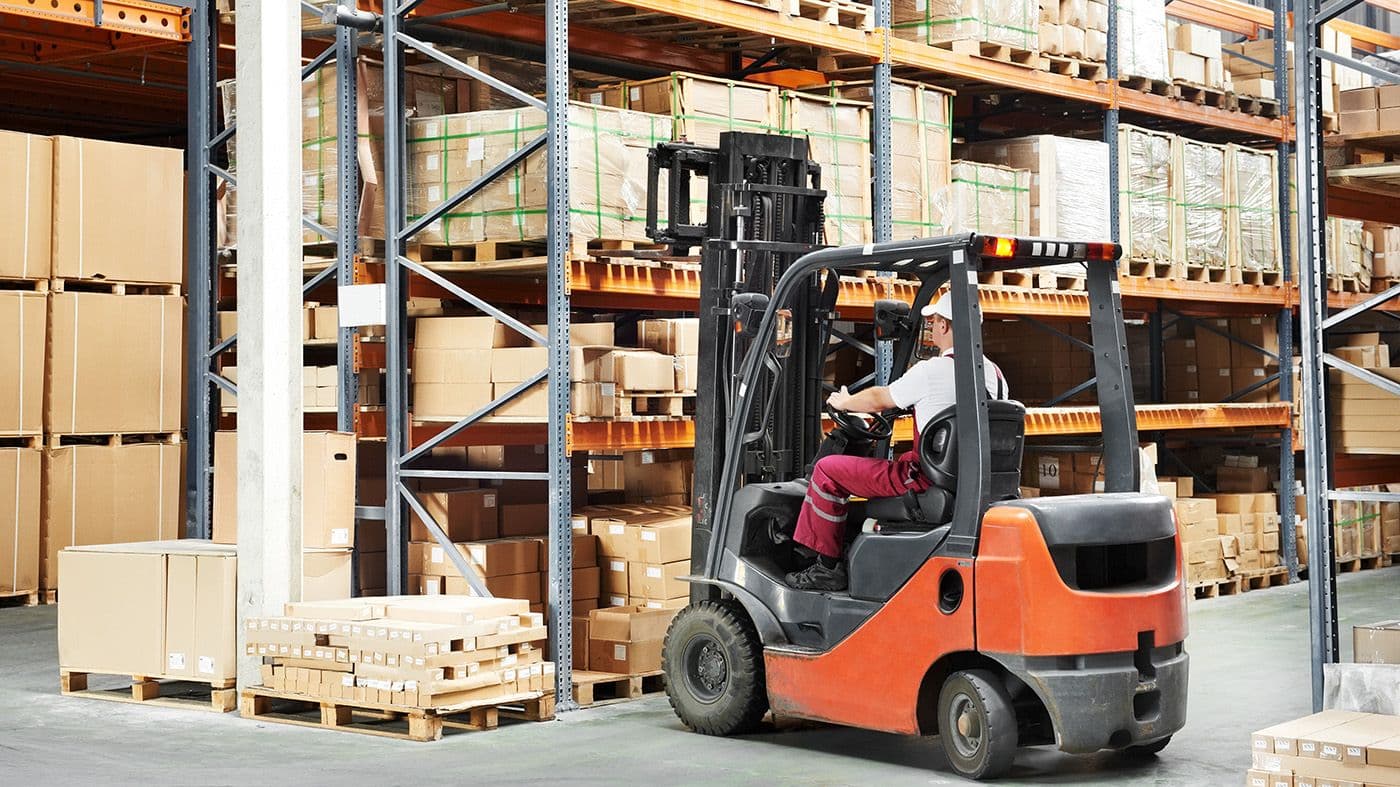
x,y
713,660
977,724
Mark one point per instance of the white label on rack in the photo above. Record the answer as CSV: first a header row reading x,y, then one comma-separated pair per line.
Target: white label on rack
x,y
648,535
435,555
595,98
617,530
340,535
488,501
618,566
1047,470
175,661
635,93
476,149
654,572
648,458
206,665
620,652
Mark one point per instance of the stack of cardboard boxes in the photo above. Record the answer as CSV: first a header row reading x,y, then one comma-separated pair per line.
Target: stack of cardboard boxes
x,y
1334,747
1195,55
990,199
1253,73
1203,550
156,609
514,567
837,131
1385,255
1146,197
965,25
1363,529
97,372
1369,109
1208,367
405,651
327,508
1074,28
1360,409
1350,255
1201,208
1038,365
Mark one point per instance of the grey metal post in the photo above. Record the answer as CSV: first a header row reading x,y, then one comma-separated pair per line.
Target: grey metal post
x,y
1312,251
1286,465
883,166
200,418
561,550
348,213
395,329
1110,121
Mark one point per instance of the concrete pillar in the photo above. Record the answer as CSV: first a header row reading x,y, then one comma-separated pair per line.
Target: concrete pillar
x,y
269,312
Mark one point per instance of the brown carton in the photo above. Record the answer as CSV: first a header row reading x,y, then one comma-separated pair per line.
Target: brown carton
x,y
524,519
617,539
665,542
26,205
112,618
1243,479
180,615
463,515
1346,743
454,332
327,491
1284,738
673,336
24,318
1378,643
114,363
660,581
325,574
99,494
19,519
642,370
614,578
627,640
118,212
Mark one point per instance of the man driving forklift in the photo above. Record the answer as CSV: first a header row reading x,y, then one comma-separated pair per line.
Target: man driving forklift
x,y
928,387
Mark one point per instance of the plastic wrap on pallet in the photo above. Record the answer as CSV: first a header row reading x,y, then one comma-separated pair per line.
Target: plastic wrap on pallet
x,y
607,173
1253,209
1013,23
1362,688
1142,39
838,138
990,199
1068,185
1348,250
921,147
1201,205
1145,190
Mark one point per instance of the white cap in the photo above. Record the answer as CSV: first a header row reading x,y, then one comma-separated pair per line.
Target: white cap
x,y
942,307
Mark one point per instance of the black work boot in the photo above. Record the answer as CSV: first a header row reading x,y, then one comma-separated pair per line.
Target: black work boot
x,y
818,577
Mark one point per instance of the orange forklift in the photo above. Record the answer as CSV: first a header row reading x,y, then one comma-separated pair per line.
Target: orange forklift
x,y
988,620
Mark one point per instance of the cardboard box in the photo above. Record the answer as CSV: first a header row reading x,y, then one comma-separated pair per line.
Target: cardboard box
x,y
1357,100
615,577
673,336
19,519
687,372
24,317
327,489
1284,738
524,519
325,322
658,580
1359,122
1234,503
617,539
463,515
26,205
114,363
627,640
665,542
454,332
496,557
1244,479
112,618
640,370
99,494
326,574
580,642
1377,643
118,213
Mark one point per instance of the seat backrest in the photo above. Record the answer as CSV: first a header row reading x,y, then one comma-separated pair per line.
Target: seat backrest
x,y
938,447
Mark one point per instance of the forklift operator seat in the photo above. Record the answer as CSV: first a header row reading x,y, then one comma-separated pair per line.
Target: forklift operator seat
x,y
938,459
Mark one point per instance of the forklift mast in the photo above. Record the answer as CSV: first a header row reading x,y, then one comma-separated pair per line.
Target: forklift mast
x,y
764,211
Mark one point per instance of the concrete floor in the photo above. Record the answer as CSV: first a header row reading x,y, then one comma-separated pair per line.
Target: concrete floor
x,y
1249,669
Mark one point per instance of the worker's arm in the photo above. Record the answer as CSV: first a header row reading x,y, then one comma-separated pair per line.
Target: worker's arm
x,y
875,399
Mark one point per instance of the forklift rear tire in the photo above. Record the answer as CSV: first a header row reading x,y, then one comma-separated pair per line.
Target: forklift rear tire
x,y
714,669
977,724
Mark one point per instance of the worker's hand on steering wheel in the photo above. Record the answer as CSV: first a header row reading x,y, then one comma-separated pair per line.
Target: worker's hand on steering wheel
x,y
838,400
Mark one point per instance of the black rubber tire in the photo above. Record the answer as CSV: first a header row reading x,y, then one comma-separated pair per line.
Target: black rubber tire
x,y
1148,749
981,694
720,633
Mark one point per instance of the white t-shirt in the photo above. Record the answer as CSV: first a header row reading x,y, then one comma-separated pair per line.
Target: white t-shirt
x,y
929,388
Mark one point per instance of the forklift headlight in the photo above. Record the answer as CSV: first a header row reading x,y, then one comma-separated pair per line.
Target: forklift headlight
x,y
993,246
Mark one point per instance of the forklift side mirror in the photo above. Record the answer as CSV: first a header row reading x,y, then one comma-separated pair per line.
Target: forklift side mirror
x,y
747,309
891,319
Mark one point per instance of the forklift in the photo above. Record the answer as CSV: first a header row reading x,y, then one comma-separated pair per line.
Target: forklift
x,y
972,614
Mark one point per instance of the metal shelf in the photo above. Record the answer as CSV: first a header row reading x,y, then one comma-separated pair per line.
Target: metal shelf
x,y
165,21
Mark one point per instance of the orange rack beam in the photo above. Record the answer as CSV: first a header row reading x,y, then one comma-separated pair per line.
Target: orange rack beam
x,y
137,17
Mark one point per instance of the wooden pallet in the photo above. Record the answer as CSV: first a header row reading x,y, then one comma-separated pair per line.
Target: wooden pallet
x,y
24,285
20,598
1258,579
842,13
55,441
602,688
390,721
1261,278
1150,269
1206,273
1048,280
1363,563
1160,87
112,287
1383,283
1217,587
1030,58
1256,105
1074,67
1201,95
1337,283
216,696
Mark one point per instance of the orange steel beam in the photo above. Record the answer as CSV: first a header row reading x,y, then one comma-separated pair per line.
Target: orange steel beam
x,y
1210,14
1246,19
136,17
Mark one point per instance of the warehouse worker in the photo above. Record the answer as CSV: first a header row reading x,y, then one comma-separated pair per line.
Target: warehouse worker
x,y
928,386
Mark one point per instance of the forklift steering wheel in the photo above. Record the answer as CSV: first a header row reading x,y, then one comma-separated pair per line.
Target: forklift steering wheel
x,y
880,428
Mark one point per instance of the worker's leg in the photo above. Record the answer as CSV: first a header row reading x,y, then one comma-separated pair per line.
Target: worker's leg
x,y
821,525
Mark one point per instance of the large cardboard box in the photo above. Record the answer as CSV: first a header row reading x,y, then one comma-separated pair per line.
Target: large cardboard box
x,y
327,489
665,542
26,205
24,319
627,640
101,494
671,336
1378,643
112,618
118,211
659,581
19,519
991,199
837,131
114,363
201,607
325,574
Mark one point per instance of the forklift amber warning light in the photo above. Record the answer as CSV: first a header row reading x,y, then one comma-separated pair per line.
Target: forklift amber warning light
x,y
1102,251
998,247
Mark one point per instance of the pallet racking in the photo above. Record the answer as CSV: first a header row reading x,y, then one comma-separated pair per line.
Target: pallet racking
x,y
616,32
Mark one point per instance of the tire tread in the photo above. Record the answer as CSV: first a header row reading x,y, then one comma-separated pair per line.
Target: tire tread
x,y
728,620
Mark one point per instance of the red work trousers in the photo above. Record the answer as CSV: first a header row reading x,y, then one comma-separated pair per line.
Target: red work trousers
x,y
821,525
